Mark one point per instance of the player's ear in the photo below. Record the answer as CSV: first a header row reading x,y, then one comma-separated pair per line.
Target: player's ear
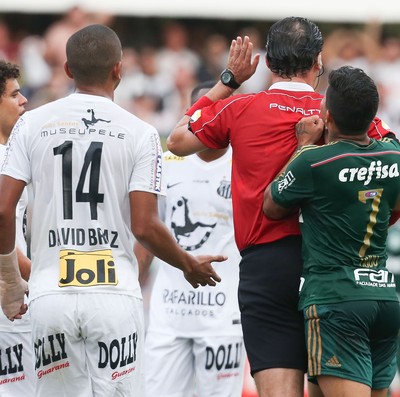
x,y
328,118
68,71
117,70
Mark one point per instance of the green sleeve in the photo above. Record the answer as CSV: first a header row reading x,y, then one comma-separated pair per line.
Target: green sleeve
x,y
295,185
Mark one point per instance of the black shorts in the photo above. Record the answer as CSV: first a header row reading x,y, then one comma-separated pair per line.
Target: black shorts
x,y
273,327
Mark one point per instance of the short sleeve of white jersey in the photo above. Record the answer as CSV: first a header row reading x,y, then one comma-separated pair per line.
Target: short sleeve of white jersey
x,y
162,200
162,205
20,238
20,210
147,172
16,162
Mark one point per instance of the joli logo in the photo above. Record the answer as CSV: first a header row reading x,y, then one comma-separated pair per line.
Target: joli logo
x,y
84,269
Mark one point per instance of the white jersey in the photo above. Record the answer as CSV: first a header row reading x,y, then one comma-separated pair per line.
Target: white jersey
x,y
198,212
83,154
23,324
20,212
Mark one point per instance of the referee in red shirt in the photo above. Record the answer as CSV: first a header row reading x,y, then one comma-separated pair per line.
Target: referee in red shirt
x,y
261,129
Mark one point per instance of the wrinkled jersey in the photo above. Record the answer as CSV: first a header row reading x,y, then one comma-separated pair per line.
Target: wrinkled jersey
x,y
261,129
198,212
346,193
83,155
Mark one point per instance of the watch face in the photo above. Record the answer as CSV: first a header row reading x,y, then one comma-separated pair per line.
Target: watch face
x,y
226,77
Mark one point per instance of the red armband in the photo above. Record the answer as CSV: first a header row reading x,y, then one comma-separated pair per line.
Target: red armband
x,y
199,104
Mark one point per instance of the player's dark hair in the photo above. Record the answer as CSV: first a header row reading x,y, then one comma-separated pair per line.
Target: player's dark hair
x,y
92,52
204,85
352,99
293,46
7,71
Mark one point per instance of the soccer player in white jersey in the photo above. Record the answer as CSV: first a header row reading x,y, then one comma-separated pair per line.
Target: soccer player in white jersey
x,y
96,173
194,343
16,353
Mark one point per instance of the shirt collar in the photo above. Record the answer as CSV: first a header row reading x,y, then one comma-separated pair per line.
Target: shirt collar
x,y
291,86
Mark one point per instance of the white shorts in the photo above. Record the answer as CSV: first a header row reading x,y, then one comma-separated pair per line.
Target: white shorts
x,y
88,345
186,367
17,376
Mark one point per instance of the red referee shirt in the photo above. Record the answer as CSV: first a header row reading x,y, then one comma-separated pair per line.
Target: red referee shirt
x,y
261,130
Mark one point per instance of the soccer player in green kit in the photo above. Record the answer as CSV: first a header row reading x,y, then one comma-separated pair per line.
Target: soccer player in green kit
x,y
348,192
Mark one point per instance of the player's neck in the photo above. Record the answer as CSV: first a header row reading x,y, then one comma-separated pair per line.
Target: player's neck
x,y
362,139
3,137
97,91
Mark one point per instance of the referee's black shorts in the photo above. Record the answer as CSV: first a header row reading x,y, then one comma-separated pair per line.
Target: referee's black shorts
x,y
273,327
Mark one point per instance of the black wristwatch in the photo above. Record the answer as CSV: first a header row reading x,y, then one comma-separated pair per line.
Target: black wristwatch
x,y
228,79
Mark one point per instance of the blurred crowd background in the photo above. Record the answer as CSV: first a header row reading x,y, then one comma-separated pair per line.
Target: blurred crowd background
x,y
164,58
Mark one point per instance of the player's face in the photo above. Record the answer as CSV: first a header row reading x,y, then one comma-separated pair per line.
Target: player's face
x,y
11,106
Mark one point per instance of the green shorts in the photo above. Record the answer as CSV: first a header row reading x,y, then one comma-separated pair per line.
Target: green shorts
x,y
353,340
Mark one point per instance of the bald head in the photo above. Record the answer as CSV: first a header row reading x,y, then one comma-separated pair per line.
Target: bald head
x,y
92,52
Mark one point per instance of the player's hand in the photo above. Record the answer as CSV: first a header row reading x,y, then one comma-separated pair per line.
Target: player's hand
x,y
202,273
309,130
12,298
240,60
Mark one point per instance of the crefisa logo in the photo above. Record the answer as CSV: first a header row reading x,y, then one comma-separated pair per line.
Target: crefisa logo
x,y
375,170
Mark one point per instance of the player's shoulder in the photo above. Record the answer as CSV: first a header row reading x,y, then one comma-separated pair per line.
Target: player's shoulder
x,y
336,148
133,125
241,100
312,154
390,143
309,151
47,108
127,116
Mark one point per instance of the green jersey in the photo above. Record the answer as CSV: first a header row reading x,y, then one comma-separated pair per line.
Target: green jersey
x,y
346,193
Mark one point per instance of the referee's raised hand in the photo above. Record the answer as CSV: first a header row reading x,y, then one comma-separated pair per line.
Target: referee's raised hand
x,y
241,61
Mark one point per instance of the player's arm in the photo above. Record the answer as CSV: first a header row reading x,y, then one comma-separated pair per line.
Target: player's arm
x,y
181,141
309,130
12,285
144,258
272,210
152,233
24,264
11,190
